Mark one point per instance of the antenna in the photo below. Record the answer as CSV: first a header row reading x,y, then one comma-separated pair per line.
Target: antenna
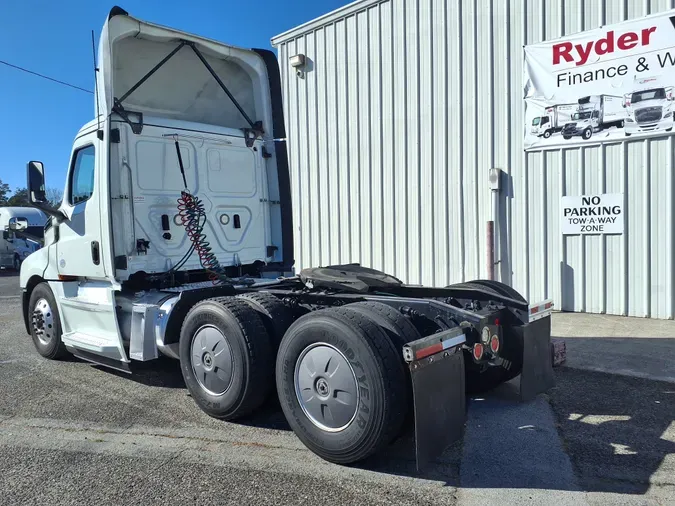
x,y
99,133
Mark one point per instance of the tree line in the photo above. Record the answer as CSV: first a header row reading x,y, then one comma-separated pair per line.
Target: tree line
x,y
19,198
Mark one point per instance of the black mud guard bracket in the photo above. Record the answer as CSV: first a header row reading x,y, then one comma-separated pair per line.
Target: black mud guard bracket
x,y
436,367
537,374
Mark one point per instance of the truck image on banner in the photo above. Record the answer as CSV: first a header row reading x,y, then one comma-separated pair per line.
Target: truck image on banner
x,y
555,119
649,106
595,113
602,85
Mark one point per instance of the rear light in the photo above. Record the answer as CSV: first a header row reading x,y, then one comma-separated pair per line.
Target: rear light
x,y
494,344
478,351
485,335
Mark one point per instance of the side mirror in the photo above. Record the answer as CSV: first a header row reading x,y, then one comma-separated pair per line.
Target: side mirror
x,y
18,224
36,183
5,235
36,190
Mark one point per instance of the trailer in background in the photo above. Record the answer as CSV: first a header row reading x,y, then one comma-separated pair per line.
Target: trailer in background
x,y
16,245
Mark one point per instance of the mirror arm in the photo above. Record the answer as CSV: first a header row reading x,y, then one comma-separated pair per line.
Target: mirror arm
x,y
49,210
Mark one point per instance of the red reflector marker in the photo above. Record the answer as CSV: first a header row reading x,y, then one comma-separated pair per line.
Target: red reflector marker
x,y
478,351
494,344
496,321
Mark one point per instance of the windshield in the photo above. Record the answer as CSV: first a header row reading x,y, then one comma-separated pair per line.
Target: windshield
x,y
536,121
658,93
581,115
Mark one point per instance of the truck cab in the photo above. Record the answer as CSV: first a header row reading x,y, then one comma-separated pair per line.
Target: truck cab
x,y
177,117
649,106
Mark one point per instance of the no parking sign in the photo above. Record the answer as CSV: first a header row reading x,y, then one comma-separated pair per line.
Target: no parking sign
x,y
592,214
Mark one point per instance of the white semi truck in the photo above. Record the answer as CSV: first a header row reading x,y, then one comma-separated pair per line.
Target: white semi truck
x,y
649,106
596,112
174,238
17,243
555,119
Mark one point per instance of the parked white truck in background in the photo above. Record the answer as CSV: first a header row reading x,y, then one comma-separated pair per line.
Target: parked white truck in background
x,y
175,238
555,119
649,106
596,112
17,244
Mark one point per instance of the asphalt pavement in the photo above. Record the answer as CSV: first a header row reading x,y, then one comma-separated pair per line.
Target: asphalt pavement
x,y
9,283
73,433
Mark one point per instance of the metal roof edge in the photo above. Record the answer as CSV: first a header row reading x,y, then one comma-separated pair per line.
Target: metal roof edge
x,y
326,19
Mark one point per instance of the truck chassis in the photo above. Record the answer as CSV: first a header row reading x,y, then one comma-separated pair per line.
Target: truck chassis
x,y
353,352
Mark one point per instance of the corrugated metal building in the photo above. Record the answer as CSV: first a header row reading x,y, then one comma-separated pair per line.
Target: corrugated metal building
x,y
406,105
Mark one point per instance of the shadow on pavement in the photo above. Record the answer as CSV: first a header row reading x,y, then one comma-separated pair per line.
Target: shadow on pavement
x,y
613,428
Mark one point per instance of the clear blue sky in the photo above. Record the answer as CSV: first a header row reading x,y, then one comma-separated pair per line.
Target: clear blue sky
x,y
40,118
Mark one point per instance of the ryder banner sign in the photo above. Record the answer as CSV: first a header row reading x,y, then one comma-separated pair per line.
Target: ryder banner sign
x,y
602,85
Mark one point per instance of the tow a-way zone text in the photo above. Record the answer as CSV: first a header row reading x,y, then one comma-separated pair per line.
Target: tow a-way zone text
x,y
592,218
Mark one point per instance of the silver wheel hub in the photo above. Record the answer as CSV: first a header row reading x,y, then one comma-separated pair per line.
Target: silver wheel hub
x,y
42,321
326,387
211,359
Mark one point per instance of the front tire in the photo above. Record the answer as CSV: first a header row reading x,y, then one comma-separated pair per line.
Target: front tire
x,y
226,357
588,133
45,323
16,263
547,134
341,384
567,137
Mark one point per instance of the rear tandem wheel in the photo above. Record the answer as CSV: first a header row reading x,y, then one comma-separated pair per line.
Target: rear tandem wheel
x,y
226,357
341,384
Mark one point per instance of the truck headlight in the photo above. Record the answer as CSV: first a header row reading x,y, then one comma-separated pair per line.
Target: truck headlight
x,y
668,115
628,120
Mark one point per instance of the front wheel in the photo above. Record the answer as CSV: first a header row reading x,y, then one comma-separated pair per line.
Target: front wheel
x,y
588,133
627,134
547,134
16,263
567,137
45,323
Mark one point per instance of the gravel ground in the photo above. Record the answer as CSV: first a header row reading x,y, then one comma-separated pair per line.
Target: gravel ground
x,y
73,433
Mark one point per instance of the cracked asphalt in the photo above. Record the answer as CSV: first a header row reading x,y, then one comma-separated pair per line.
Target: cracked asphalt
x,y
73,433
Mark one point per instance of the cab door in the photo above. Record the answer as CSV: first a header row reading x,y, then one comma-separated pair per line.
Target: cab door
x,y
79,245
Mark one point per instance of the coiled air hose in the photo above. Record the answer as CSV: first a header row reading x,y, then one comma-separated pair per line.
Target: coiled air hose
x,y
193,217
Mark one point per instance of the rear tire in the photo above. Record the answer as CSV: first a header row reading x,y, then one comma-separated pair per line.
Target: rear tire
x,y
16,263
274,314
341,384
567,137
400,331
45,323
226,357
500,288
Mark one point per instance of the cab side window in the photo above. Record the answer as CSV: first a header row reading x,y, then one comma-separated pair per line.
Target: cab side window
x,y
82,175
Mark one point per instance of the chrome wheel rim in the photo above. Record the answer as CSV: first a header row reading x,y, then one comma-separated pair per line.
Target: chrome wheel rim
x,y
211,358
326,387
43,321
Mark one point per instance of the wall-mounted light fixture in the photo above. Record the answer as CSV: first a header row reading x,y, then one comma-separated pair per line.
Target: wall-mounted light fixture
x,y
297,61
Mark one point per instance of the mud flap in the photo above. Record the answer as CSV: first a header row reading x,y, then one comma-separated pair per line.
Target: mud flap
x,y
537,373
440,403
